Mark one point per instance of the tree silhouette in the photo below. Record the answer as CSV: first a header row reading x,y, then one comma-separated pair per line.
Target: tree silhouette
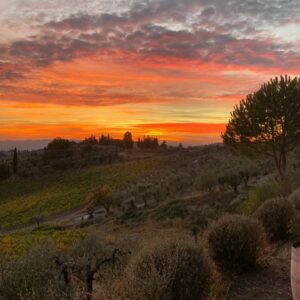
x,y
163,145
15,161
148,142
59,144
128,141
90,140
105,140
267,122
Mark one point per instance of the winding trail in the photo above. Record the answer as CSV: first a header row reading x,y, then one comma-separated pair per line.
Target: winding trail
x,y
74,217
67,218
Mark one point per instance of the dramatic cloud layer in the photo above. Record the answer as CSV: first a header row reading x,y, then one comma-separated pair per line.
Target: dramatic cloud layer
x,y
171,62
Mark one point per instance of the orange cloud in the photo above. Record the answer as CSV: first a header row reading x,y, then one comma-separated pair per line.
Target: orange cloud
x,y
148,79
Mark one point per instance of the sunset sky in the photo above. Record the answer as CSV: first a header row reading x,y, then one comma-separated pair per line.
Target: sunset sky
x,y
169,68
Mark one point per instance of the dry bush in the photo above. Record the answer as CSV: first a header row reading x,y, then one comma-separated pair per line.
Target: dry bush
x,y
235,243
294,198
203,216
34,276
277,216
207,182
173,269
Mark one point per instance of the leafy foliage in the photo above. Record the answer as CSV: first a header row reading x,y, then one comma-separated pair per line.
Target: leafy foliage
x,y
101,196
267,121
259,195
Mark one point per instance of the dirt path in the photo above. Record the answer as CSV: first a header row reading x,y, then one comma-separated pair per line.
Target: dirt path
x,y
271,282
67,218
75,216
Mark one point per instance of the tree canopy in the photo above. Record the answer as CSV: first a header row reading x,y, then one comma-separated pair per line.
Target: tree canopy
x,y
101,196
59,144
267,122
128,141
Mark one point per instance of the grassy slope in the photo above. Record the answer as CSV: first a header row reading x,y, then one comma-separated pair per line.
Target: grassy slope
x,y
46,195
19,243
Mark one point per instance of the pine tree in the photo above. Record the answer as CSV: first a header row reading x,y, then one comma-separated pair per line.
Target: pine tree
x,y
267,122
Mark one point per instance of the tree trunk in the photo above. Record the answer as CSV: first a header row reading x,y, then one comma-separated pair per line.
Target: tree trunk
x,y
235,188
196,238
281,166
89,285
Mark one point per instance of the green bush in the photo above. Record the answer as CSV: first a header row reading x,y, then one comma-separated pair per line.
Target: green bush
x,y
171,210
277,216
235,243
173,270
259,195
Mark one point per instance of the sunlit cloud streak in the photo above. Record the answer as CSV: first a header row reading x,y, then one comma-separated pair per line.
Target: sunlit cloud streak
x,y
185,61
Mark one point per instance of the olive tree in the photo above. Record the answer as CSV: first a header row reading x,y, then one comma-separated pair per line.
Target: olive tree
x,y
267,122
100,196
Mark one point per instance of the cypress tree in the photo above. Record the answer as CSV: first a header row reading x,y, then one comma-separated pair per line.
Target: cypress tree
x,y
15,161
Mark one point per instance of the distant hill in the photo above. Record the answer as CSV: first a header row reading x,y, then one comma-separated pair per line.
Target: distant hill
x,y
23,145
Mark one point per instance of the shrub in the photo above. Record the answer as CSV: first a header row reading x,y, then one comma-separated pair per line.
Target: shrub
x,y
276,216
171,210
4,171
62,163
207,182
232,180
202,217
294,198
34,276
259,195
132,214
173,270
235,242
292,178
